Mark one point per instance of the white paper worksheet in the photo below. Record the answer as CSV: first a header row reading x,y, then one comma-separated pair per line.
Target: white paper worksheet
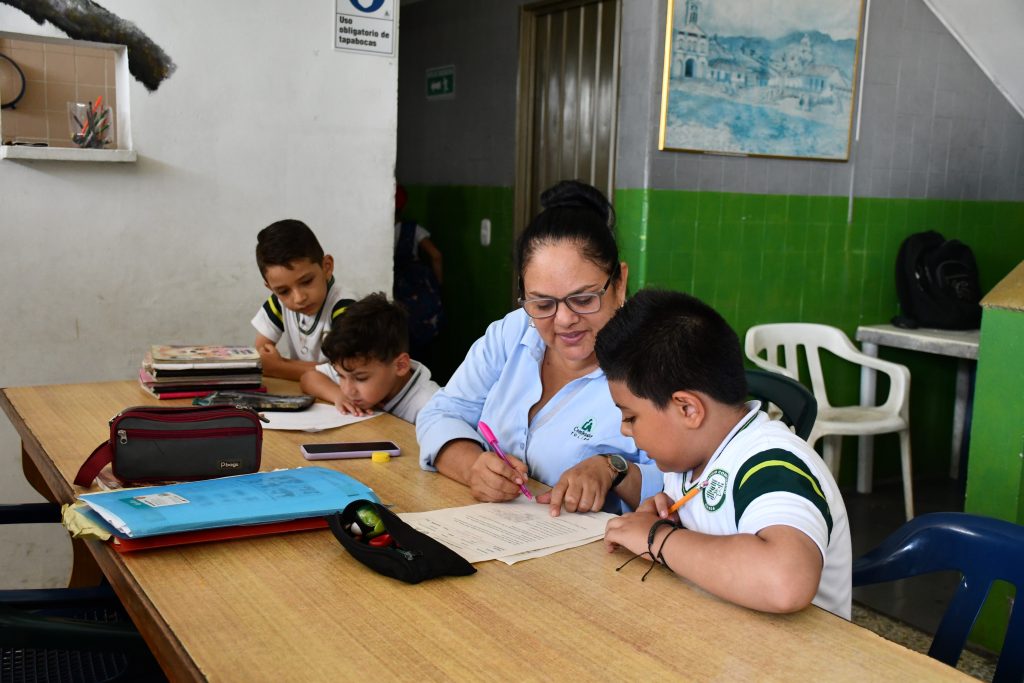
x,y
499,531
315,418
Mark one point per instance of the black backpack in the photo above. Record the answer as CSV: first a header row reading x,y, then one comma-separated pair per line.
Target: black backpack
x,y
937,283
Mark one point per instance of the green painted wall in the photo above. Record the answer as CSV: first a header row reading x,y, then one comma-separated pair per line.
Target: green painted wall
x,y
756,258
477,287
995,476
769,258
997,436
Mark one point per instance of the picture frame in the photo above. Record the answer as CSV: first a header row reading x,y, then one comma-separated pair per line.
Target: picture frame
x,y
772,78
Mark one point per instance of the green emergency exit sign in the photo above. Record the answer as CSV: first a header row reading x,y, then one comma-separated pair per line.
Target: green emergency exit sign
x,y
441,82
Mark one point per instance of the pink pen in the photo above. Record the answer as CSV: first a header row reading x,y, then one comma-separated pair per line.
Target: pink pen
x,y
493,440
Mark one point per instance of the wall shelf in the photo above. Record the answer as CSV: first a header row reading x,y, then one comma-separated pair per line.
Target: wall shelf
x,y
26,152
80,71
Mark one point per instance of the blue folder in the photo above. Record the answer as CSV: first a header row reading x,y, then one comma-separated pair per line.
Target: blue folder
x,y
257,498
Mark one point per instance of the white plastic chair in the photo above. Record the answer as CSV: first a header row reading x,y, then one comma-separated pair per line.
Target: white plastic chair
x,y
762,346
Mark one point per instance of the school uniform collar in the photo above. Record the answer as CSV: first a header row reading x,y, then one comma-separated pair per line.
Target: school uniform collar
x,y
420,373
753,412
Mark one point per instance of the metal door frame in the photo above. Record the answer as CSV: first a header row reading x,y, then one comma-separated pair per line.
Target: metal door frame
x,y
528,16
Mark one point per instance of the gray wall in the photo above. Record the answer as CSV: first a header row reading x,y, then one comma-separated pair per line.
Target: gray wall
x,y
933,125
470,139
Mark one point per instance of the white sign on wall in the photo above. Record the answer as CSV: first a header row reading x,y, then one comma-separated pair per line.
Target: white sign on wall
x,y
365,26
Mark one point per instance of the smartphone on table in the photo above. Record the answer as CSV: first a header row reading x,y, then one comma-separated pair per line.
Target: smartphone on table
x,y
348,449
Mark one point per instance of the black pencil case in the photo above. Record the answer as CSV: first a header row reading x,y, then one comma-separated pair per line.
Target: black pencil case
x,y
411,557
255,400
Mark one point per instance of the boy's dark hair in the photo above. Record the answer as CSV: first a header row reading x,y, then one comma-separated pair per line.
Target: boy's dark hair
x,y
661,342
282,242
573,212
371,328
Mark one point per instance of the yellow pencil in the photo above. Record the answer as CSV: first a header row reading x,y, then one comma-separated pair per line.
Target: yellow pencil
x,y
682,501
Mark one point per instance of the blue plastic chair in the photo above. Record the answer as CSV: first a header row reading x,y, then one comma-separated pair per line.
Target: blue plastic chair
x,y
797,403
67,634
983,550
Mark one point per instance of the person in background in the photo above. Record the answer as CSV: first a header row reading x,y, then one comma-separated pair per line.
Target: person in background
x,y
418,274
421,247
304,301
533,377
368,366
749,512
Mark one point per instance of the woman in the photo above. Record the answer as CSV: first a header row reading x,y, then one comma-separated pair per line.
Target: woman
x,y
533,377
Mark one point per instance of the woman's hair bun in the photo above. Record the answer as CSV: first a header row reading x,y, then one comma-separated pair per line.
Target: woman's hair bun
x,y
578,195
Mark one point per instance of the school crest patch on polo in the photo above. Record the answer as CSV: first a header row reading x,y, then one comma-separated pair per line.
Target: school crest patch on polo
x,y
714,493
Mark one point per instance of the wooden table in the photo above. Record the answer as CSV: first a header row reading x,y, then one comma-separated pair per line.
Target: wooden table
x,y
959,344
297,607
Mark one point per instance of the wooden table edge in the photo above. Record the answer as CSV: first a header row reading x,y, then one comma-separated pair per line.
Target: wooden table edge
x,y
162,641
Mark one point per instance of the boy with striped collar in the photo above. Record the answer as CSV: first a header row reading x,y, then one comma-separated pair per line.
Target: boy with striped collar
x,y
369,367
749,511
305,298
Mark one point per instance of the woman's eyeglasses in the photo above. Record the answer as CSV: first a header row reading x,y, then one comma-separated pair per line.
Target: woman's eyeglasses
x,y
583,303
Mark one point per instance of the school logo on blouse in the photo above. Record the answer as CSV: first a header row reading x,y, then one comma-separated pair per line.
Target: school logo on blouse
x,y
714,492
583,431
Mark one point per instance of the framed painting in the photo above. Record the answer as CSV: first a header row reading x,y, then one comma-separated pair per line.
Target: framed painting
x,y
760,77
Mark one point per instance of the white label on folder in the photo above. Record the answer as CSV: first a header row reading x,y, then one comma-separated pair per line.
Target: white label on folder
x,y
159,500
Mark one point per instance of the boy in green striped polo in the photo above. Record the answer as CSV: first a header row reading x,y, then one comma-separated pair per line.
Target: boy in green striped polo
x,y
304,298
749,511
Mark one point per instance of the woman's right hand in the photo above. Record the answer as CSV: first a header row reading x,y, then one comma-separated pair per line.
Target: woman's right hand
x,y
489,479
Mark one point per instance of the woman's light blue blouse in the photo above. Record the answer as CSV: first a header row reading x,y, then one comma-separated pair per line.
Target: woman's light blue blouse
x,y
499,381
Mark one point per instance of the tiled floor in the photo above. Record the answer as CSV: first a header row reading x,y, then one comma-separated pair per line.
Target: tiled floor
x,y
906,611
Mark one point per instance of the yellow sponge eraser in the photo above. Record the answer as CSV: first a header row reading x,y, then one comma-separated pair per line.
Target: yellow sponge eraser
x,y
380,456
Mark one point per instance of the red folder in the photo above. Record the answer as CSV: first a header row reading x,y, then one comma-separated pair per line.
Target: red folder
x,y
127,545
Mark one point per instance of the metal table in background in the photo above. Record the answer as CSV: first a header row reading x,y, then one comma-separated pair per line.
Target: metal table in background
x,y
959,344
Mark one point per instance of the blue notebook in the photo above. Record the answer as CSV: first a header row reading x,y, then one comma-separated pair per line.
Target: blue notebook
x,y
257,498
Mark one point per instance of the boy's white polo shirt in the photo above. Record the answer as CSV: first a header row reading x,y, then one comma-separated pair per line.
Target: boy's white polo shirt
x,y
764,475
305,333
407,403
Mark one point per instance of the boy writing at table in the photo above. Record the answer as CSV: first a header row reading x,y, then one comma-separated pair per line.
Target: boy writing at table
x,y
749,511
305,298
368,366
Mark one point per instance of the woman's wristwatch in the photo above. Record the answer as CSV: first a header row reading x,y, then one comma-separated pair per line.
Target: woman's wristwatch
x,y
619,466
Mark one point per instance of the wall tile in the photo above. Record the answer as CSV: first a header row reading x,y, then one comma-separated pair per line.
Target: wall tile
x,y
754,208
711,173
60,65
821,269
90,70
819,181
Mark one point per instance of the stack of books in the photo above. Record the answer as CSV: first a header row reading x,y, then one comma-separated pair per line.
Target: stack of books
x,y
175,371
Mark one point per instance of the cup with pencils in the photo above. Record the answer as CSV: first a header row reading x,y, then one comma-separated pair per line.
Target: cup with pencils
x,y
89,123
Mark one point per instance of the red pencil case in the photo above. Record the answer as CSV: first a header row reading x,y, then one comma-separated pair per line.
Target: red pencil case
x,y
150,444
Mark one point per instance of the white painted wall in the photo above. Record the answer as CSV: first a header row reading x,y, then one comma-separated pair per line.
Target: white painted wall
x,y
990,32
262,120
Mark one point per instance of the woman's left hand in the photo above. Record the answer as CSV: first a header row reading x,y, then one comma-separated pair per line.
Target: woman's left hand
x,y
581,488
